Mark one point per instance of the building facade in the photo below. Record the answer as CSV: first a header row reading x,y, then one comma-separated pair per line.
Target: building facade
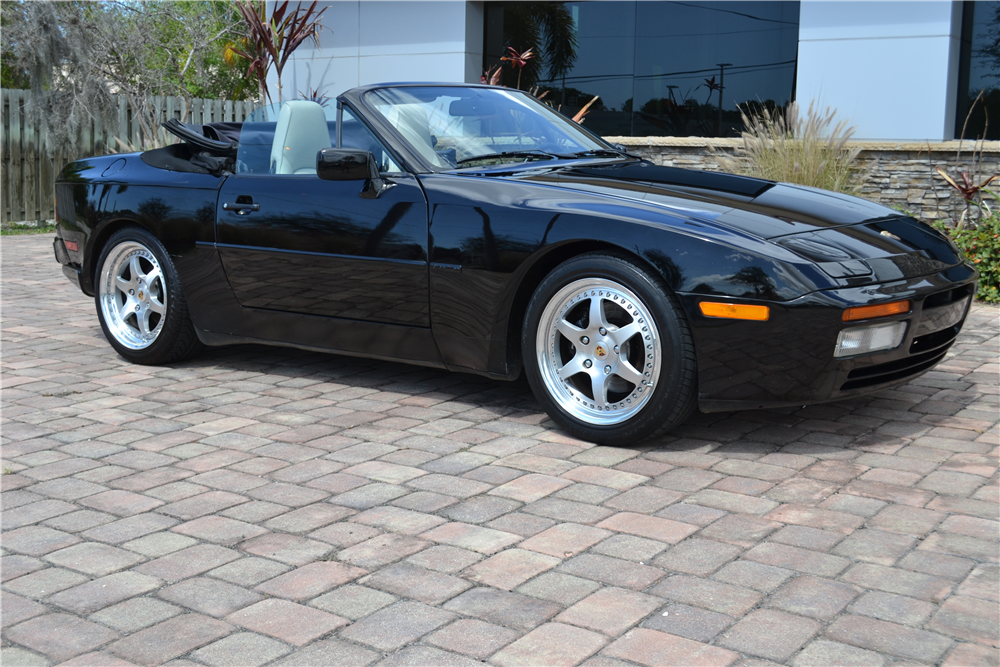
x,y
898,70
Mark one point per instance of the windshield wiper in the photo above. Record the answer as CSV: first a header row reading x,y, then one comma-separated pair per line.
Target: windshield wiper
x,y
494,156
600,152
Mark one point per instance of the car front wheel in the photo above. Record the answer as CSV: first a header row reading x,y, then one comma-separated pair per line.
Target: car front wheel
x,y
140,302
607,351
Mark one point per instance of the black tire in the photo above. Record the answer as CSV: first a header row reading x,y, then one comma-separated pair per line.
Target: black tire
x,y
591,376
140,302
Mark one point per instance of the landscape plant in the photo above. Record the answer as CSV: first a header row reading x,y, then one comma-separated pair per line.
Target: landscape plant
x,y
76,57
549,28
519,60
22,229
270,40
970,184
976,231
981,245
971,193
810,149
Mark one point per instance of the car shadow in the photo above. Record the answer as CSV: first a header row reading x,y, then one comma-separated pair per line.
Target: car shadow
x,y
815,430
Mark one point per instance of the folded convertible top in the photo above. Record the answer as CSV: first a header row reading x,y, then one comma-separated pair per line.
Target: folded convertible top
x,y
207,149
224,143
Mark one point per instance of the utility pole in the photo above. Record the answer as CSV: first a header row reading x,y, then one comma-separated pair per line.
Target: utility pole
x,y
722,74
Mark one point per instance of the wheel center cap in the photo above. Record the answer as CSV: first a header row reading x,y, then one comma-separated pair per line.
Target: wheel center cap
x,y
600,351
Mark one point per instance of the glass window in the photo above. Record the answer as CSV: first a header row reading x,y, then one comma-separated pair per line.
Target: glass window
x,y
698,62
355,134
457,127
979,72
660,68
254,154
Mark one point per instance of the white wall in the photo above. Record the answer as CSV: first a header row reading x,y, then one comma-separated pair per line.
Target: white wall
x,y
374,41
889,67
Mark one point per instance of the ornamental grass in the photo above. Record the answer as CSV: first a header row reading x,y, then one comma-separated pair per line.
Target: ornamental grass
x,y
808,150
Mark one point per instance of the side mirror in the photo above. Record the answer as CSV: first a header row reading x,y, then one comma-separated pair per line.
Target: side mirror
x,y
345,164
352,164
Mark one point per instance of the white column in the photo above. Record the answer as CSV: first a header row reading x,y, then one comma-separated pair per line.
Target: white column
x,y
891,68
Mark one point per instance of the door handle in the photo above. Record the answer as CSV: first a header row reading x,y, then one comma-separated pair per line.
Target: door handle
x,y
240,208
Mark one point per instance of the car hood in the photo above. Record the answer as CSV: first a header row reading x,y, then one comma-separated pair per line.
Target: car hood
x,y
849,237
753,206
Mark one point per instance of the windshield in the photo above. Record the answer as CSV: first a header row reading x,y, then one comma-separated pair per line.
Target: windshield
x,y
452,127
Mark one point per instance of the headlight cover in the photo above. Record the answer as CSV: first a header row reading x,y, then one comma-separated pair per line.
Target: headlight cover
x,y
864,340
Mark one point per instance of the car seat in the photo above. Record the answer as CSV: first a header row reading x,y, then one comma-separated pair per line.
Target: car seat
x,y
300,133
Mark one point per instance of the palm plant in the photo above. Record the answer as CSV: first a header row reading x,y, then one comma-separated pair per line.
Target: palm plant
x,y
518,60
970,192
314,95
712,87
270,41
492,75
549,27
965,184
582,113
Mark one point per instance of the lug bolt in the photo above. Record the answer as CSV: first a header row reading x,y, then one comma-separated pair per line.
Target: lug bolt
x,y
607,370
587,363
584,340
131,291
617,351
137,309
603,331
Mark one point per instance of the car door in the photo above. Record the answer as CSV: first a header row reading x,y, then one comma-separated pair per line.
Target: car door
x,y
296,243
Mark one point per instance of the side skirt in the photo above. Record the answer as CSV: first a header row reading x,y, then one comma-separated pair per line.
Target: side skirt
x,y
388,342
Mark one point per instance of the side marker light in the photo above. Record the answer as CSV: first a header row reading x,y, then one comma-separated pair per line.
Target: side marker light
x,y
734,311
880,310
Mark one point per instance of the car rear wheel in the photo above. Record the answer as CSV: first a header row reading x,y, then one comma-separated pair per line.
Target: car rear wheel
x,y
607,351
140,302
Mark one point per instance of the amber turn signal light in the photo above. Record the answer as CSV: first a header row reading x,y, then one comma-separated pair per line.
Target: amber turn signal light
x,y
734,311
881,310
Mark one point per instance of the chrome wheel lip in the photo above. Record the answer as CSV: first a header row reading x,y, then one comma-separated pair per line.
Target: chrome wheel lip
x,y
137,298
552,328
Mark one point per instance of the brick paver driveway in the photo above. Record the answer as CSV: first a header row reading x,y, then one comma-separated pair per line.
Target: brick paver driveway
x,y
266,506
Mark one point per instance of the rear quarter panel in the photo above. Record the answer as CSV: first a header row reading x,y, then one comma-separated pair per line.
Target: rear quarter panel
x,y
97,196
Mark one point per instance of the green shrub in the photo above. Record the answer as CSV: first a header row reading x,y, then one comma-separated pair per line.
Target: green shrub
x,y
21,228
982,246
791,148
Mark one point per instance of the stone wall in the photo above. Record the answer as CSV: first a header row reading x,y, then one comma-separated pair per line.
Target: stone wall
x,y
901,175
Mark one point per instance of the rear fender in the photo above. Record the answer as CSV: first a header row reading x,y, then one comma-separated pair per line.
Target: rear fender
x,y
98,196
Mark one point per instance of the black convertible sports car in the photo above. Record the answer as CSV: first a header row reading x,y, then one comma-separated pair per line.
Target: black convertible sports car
x,y
473,228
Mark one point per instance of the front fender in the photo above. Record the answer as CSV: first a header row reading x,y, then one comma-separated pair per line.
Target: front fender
x,y
492,241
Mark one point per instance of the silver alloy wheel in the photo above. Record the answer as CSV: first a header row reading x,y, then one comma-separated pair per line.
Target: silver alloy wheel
x,y
133,295
598,351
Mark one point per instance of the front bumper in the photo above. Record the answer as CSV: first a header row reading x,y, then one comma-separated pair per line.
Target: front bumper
x,y
788,360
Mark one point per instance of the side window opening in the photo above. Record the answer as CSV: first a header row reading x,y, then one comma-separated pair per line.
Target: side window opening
x,y
284,139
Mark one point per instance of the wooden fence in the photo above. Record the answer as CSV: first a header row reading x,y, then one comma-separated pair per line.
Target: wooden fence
x,y
27,173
